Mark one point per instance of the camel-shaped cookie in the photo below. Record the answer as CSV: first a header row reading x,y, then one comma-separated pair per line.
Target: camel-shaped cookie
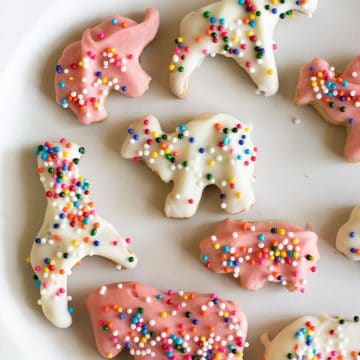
x,y
260,252
106,59
316,337
71,229
153,324
238,29
335,96
209,150
348,236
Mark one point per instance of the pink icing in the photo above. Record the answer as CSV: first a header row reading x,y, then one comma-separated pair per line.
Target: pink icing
x,y
170,325
106,59
261,251
337,97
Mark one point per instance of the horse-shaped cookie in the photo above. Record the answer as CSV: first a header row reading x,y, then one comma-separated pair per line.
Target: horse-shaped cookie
x,y
336,97
260,252
71,229
106,59
238,29
209,150
163,325
315,337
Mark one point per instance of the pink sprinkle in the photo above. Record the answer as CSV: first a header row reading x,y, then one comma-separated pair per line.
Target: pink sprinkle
x,y
45,285
128,240
130,56
101,36
37,268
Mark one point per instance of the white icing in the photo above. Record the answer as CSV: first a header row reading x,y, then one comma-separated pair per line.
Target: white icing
x,y
329,340
235,169
52,244
348,237
262,71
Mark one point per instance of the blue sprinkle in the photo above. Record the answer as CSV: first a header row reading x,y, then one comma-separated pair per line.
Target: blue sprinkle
x,y
59,69
70,309
38,240
61,84
96,243
182,128
201,150
131,131
124,88
205,258
99,74
114,21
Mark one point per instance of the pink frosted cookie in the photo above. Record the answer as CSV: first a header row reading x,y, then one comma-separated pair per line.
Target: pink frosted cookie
x,y
71,229
335,96
257,252
153,324
105,59
238,29
212,149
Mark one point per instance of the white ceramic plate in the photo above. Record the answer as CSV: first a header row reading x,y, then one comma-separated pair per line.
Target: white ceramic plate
x,y
301,175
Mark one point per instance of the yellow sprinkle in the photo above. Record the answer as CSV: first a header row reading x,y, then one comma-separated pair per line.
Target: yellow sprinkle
x,y
218,356
270,72
233,180
163,314
46,269
28,259
71,78
167,151
144,340
217,246
211,163
112,49
247,129
283,254
320,74
154,134
249,33
109,355
277,253
104,80
75,242
202,338
180,39
234,39
275,2
65,154
314,84
81,63
171,67
238,195
52,262
272,257
66,191
252,17
119,309
282,232
295,241
292,16
296,254
154,154
186,297
322,82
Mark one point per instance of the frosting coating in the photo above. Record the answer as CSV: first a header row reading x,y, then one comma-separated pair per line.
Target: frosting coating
x,y
71,229
241,30
348,236
316,337
335,96
105,59
153,324
212,149
260,252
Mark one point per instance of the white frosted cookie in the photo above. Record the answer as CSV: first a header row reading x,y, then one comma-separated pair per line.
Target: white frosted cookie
x,y
212,149
238,29
316,338
348,236
71,229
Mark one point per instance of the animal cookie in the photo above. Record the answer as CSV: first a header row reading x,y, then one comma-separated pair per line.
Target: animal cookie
x,y
348,237
106,58
71,229
211,149
238,29
315,337
153,324
335,97
257,252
